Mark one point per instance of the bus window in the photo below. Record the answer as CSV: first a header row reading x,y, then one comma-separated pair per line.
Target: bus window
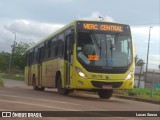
x,y
54,47
69,46
60,44
103,49
39,55
35,55
49,48
45,50
29,58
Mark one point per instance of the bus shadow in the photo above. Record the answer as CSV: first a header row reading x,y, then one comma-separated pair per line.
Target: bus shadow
x,y
85,96
93,98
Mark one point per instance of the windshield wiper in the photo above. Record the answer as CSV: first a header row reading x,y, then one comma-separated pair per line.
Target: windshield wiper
x,y
95,39
93,35
113,43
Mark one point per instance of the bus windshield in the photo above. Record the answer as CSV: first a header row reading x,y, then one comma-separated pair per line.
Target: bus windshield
x,y
104,49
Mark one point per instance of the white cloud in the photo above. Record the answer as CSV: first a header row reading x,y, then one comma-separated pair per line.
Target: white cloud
x,y
140,36
32,28
154,61
96,15
5,40
143,31
26,31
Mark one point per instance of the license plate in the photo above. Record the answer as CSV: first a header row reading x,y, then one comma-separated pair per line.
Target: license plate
x,y
107,87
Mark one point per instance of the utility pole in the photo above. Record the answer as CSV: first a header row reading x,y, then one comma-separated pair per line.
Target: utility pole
x,y
12,52
147,56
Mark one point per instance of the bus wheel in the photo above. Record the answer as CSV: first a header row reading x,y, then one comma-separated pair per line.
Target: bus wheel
x,y
41,88
61,91
105,94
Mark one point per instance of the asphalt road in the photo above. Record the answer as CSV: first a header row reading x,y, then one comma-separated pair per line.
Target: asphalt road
x,y
16,96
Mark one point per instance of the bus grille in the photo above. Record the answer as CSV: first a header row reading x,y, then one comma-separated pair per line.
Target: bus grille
x,y
100,84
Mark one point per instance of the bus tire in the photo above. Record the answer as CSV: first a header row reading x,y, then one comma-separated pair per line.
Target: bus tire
x,y
41,88
61,91
105,94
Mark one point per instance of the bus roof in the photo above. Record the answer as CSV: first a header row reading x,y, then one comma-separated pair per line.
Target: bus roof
x,y
65,27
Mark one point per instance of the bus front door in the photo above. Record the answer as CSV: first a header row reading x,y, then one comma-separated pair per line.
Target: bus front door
x,y
68,58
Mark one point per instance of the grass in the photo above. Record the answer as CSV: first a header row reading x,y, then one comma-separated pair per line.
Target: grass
x,y
1,83
15,76
146,93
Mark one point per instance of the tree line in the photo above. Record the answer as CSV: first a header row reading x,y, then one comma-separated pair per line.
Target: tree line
x,y
14,60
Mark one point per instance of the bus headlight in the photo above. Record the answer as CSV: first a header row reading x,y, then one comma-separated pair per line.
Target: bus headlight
x,y
129,76
81,73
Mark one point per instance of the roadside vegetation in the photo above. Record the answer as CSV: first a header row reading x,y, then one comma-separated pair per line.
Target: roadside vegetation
x,y
1,82
148,93
14,76
12,64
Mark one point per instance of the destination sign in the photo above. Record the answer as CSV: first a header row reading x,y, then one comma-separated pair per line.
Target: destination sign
x,y
104,27
101,26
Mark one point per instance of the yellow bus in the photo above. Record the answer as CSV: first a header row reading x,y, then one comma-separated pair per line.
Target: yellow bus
x,y
94,56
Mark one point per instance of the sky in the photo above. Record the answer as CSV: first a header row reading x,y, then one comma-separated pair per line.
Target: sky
x,y
32,20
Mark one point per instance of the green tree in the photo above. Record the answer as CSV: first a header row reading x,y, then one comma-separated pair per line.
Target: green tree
x,y
14,62
4,61
18,55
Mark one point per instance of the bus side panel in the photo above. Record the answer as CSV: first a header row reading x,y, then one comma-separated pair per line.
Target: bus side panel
x,y
62,69
43,74
48,71
40,74
27,76
34,72
55,69
73,73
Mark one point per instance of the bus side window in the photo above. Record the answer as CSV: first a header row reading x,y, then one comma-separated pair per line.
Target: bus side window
x,y
46,50
56,51
42,53
60,44
31,57
54,47
38,55
35,55
72,42
49,48
69,46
